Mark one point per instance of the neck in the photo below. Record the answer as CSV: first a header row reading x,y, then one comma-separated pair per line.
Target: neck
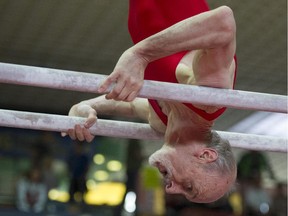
x,y
187,129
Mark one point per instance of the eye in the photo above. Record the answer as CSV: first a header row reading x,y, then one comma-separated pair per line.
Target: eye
x,y
189,187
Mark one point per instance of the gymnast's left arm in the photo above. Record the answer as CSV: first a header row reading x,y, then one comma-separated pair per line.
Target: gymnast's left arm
x,y
205,31
89,109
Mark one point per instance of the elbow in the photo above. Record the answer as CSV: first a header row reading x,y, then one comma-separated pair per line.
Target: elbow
x,y
227,25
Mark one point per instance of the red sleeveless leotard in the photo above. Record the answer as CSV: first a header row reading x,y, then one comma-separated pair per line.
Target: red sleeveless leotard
x,y
147,17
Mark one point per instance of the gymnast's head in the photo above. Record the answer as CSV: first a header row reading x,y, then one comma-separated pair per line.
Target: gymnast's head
x,y
202,172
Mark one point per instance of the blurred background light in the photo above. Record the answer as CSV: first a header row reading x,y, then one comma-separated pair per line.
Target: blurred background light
x,y
99,159
264,208
91,184
101,175
130,202
114,165
106,193
57,195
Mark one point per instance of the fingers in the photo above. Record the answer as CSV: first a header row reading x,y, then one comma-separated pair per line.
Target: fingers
x,y
105,85
125,89
92,118
80,133
87,135
71,134
118,92
83,133
132,96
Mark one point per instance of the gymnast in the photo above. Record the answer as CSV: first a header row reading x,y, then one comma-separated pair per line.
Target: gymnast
x,y
180,42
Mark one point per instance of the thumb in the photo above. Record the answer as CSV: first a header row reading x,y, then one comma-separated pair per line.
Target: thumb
x,y
106,83
92,118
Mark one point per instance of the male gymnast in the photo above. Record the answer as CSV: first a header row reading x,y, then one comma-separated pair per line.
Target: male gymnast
x,y
180,42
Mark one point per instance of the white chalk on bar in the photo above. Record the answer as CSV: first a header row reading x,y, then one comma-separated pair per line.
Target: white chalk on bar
x,y
61,123
131,130
88,82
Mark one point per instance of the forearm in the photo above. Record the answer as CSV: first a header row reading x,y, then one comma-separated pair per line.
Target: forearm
x,y
204,31
138,108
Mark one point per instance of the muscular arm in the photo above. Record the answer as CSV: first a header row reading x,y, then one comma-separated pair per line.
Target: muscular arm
x,y
90,108
212,32
135,109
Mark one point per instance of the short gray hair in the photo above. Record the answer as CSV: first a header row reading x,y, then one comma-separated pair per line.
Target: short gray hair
x,y
226,162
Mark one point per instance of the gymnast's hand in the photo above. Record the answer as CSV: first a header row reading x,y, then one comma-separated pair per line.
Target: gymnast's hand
x,y
81,132
127,77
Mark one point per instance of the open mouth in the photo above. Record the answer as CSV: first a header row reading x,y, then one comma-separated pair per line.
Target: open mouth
x,y
162,169
166,175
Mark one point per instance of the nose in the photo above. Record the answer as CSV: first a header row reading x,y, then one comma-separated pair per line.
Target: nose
x,y
173,188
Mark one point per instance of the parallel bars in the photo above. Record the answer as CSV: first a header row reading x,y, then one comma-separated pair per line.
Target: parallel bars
x,y
123,129
88,82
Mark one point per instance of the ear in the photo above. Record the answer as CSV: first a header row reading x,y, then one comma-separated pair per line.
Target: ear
x,y
208,155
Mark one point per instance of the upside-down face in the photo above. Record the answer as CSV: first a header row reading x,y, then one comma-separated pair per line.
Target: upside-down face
x,y
184,173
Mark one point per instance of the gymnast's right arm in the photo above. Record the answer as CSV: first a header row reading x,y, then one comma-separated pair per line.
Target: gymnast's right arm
x,y
89,109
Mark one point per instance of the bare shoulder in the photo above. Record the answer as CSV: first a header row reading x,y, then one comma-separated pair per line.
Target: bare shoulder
x,y
184,70
188,72
211,72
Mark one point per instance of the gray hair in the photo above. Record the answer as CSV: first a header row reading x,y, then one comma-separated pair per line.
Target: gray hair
x,y
226,162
